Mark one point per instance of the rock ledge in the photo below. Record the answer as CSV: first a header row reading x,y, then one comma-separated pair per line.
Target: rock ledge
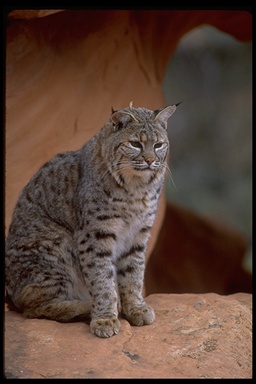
x,y
193,336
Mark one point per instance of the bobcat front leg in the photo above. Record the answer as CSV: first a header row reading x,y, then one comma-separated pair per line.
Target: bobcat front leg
x,y
99,275
104,313
130,275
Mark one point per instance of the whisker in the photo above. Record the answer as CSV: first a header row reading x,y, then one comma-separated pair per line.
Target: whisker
x,y
121,165
170,174
116,169
105,174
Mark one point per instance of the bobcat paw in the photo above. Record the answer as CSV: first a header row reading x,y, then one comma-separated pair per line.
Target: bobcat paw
x,y
105,327
141,315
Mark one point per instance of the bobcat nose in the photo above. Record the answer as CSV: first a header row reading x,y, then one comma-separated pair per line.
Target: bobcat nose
x,y
149,160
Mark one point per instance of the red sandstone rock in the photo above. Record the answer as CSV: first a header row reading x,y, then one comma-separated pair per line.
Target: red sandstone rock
x,y
197,254
193,336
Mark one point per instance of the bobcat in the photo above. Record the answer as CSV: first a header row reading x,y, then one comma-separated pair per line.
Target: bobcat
x,y
79,232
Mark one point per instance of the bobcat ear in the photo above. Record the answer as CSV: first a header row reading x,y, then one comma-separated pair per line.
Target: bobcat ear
x,y
164,114
120,119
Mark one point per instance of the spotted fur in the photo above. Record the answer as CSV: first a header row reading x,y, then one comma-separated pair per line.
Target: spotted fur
x,y
79,232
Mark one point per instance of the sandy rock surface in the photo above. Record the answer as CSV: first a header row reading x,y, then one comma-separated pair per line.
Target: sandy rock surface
x,y
193,336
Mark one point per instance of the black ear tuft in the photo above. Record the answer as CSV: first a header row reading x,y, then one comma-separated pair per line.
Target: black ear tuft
x,y
162,115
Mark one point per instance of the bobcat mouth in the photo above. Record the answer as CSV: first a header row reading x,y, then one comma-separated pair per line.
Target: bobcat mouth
x,y
144,167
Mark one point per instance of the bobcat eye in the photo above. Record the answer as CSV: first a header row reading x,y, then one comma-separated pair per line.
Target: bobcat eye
x,y
136,144
158,145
